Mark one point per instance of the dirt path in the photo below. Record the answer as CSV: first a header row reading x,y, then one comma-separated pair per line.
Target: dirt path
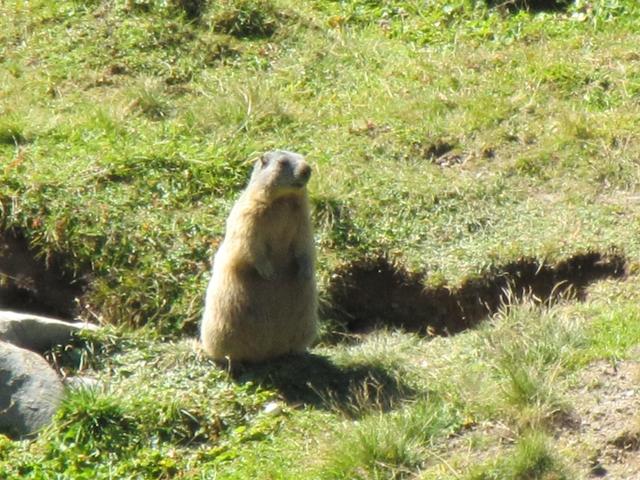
x,y
607,420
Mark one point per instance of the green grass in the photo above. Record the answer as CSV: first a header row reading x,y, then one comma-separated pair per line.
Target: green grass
x,y
532,458
390,445
452,137
527,364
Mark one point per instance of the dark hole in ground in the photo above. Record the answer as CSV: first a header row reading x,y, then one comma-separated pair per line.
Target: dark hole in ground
x,y
193,9
437,149
531,5
374,292
34,285
628,440
315,380
432,150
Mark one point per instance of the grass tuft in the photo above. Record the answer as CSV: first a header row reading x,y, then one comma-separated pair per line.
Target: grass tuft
x,y
149,99
12,130
389,446
532,457
529,352
91,420
246,19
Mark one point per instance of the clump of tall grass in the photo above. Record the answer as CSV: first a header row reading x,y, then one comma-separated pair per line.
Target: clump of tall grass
x,y
531,458
528,353
390,445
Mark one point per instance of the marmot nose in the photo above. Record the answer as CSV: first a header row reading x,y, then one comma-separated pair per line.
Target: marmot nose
x,y
305,172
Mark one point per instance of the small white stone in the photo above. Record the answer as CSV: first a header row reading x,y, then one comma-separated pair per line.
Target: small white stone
x,y
272,408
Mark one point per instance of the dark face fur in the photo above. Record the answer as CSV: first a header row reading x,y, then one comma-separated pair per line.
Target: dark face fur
x,y
281,172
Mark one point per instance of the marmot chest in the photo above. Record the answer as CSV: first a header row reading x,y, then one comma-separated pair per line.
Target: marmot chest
x,y
281,225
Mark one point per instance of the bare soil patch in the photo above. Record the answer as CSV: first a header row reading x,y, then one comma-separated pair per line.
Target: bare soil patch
x,y
601,439
607,426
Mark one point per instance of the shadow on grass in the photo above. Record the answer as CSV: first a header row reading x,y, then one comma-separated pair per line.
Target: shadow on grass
x,y
314,380
373,292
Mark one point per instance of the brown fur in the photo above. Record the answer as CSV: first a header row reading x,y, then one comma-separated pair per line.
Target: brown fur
x,y
261,301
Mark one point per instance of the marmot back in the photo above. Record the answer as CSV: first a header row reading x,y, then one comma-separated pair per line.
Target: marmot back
x,y
261,301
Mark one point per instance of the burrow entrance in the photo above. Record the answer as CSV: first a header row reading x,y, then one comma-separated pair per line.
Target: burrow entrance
x,y
372,293
32,284
530,5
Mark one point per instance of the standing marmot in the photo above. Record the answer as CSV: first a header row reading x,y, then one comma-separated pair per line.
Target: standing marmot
x,y
261,301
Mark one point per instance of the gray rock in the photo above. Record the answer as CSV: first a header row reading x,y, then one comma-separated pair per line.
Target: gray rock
x,y
30,391
35,332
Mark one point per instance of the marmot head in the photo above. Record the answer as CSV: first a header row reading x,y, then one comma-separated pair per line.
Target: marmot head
x,y
281,173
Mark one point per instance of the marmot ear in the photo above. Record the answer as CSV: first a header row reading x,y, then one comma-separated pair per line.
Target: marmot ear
x,y
264,159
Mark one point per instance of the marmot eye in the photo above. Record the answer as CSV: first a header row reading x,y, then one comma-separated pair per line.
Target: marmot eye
x,y
305,172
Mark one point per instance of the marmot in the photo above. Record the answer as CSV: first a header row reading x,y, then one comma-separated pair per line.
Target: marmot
x,y
261,301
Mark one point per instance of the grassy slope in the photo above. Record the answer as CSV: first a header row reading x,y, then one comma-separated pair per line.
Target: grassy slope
x,y
124,133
